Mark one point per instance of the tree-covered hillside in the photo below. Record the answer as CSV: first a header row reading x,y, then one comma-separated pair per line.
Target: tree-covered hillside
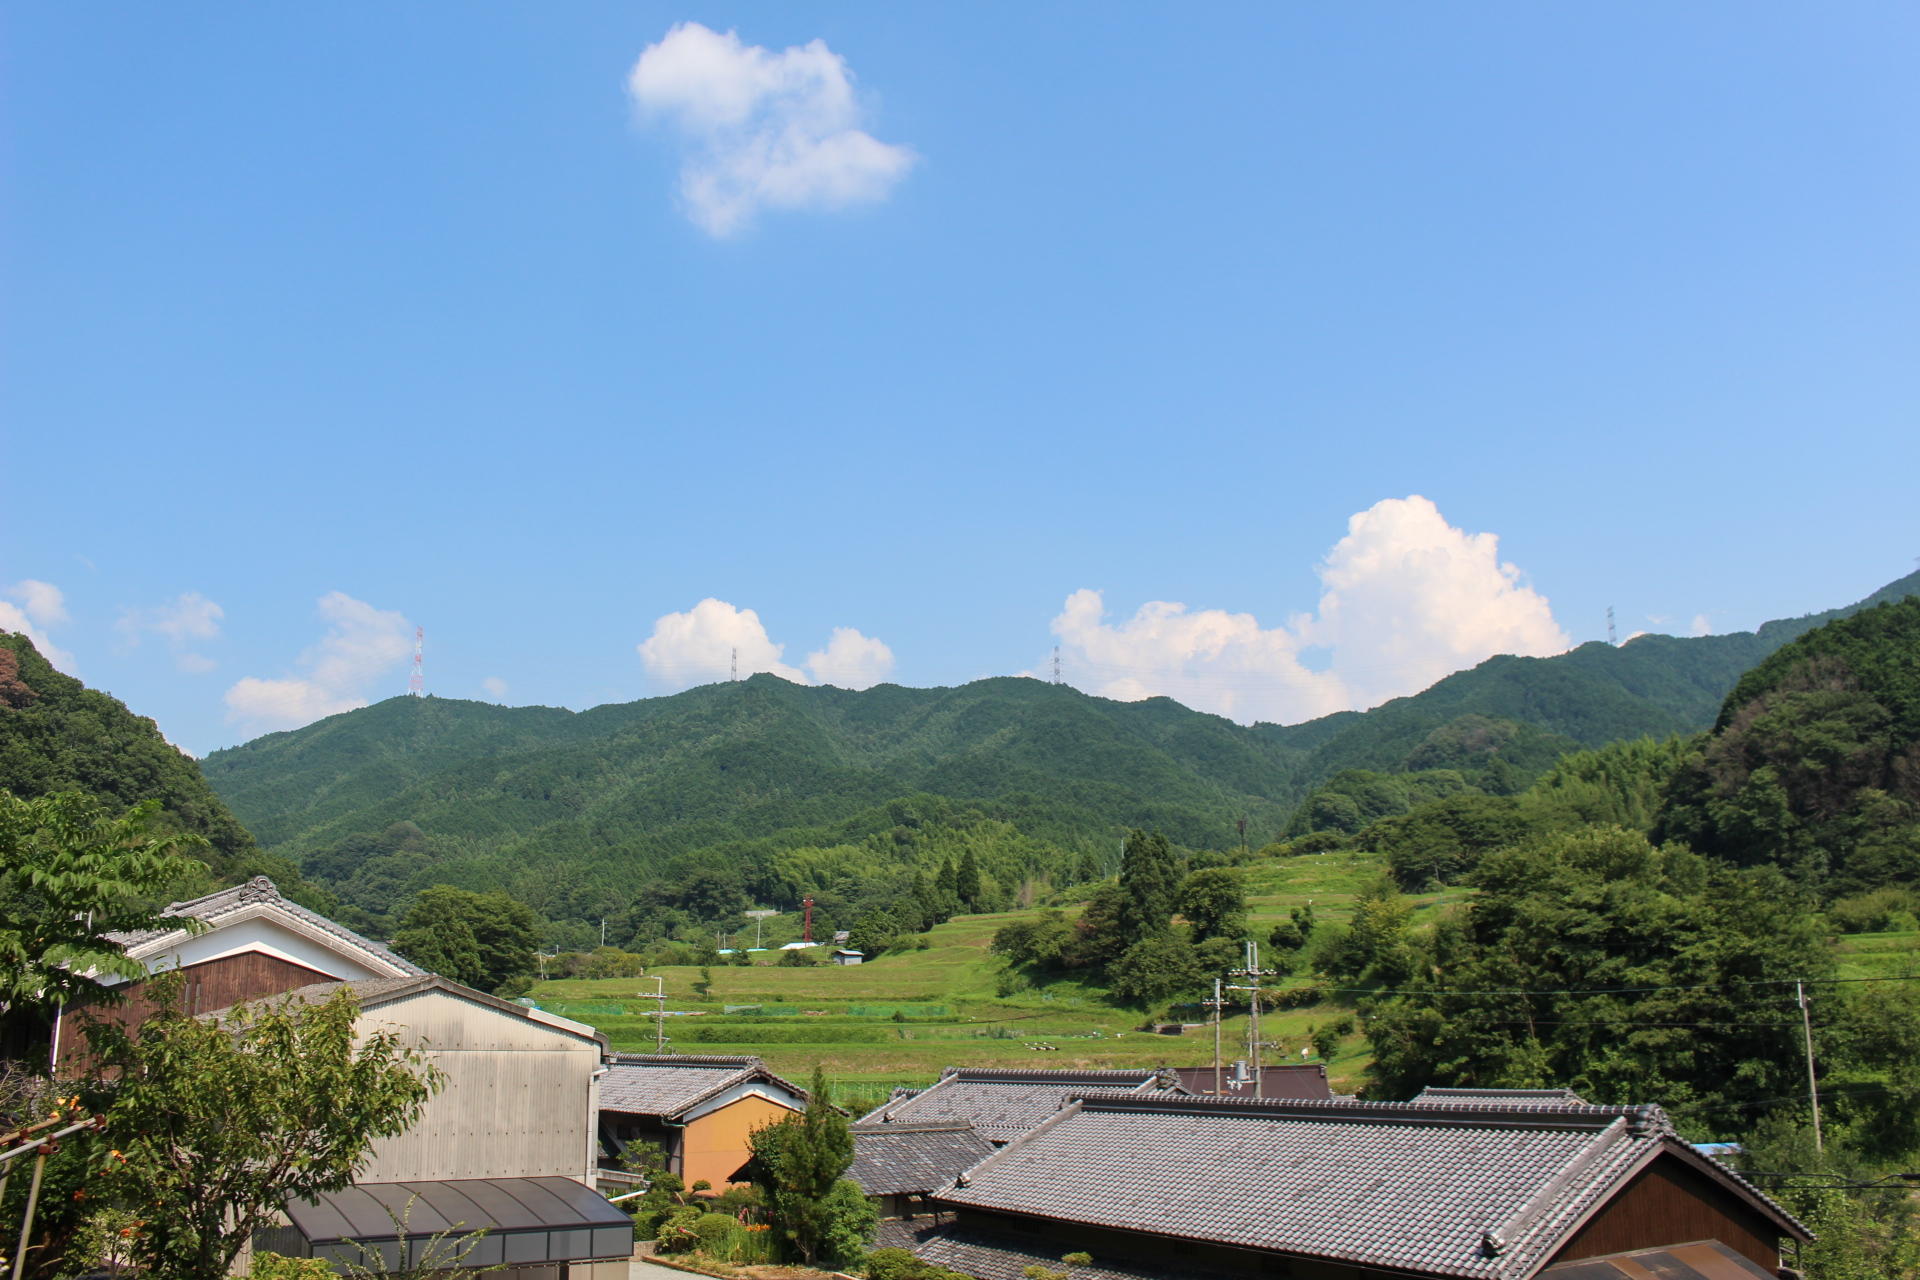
x,y
58,735
576,812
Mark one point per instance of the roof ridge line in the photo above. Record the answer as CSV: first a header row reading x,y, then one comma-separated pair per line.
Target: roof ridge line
x,y
1531,1215
1071,1108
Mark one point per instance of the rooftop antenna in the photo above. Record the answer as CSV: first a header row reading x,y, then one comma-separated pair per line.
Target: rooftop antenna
x,y
1613,637
417,682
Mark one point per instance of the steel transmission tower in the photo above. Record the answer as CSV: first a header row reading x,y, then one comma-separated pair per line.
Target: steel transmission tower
x,y
417,682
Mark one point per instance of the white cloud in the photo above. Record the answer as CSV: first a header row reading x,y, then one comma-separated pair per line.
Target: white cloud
x,y
851,660
1701,626
703,644
361,645
30,608
496,688
764,130
1406,599
186,618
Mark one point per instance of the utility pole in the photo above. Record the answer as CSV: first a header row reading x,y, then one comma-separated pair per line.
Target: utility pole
x,y
1215,1004
1806,1031
603,931
1255,972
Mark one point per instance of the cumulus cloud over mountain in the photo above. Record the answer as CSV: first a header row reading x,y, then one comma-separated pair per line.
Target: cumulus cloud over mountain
x,y
361,645
1406,599
711,640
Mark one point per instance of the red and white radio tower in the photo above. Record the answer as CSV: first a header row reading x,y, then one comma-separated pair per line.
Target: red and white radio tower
x,y
417,682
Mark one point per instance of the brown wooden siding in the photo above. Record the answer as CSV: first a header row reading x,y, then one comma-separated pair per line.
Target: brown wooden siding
x,y
209,985
1669,1203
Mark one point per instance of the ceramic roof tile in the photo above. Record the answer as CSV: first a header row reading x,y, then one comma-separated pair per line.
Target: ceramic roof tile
x,y
666,1085
211,907
1471,1190
1003,1104
898,1159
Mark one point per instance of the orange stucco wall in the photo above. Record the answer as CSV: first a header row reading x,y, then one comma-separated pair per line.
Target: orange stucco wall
x,y
715,1146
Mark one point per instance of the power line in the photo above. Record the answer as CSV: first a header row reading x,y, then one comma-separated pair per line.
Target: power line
x,y
1602,991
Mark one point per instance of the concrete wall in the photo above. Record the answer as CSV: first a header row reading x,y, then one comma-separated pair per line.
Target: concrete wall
x,y
519,1099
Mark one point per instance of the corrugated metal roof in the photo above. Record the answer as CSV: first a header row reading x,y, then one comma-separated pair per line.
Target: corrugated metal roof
x,y
1465,1190
1001,1255
901,1159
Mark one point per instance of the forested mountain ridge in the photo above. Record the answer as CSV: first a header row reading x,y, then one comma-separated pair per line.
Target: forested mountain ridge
x,y
58,735
532,798
1651,686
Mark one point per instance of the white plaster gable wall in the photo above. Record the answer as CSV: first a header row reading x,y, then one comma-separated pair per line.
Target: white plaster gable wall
x,y
745,1089
275,938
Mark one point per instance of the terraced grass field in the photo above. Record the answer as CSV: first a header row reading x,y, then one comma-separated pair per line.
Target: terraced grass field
x,y
901,1018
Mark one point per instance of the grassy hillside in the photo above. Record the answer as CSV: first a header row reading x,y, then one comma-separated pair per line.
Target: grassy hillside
x,y
900,1019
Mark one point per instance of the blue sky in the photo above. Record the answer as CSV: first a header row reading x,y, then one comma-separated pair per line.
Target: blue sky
x,y
323,322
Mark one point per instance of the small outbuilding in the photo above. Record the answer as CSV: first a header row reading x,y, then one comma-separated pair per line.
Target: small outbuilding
x,y
845,955
700,1111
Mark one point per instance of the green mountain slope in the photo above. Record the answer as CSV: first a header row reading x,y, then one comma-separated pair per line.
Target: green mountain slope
x,y
1652,686
509,796
58,735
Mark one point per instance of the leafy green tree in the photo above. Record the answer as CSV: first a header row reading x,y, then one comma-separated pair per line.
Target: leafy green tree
x,y
220,1122
71,873
1594,960
1043,942
483,939
1154,970
802,1162
966,881
1100,932
1214,903
1149,884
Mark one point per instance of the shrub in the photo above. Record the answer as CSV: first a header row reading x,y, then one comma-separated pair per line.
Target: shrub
x,y
273,1266
718,1235
1881,911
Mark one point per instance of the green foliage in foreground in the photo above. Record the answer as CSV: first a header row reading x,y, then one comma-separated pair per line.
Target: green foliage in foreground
x,y
801,1164
70,874
219,1123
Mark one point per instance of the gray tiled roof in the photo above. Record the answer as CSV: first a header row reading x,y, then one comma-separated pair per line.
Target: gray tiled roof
x,y
1506,1097
213,906
899,1159
1472,1190
1003,1104
668,1085
1000,1255
1292,1080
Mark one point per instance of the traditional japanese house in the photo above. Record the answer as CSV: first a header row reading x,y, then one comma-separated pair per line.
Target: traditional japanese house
x,y
1003,1104
698,1110
1154,1186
